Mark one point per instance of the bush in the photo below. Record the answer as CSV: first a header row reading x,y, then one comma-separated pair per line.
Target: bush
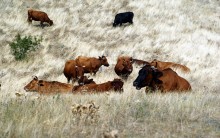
x,y
22,46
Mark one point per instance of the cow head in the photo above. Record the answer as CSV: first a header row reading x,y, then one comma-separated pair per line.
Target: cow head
x,y
51,22
103,61
114,24
117,84
84,80
154,63
33,85
79,71
146,76
127,64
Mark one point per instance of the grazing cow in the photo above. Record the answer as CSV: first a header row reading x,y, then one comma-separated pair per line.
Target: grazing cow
x,y
84,80
123,18
115,85
72,72
165,80
91,64
164,65
47,87
140,62
124,67
39,16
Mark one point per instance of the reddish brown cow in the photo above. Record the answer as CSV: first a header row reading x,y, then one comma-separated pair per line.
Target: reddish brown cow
x,y
164,65
115,85
84,80
39,16
124,67
91,64
72,71
165,80
47,87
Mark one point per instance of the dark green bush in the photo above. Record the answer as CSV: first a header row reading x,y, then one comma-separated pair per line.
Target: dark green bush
x,y
21,47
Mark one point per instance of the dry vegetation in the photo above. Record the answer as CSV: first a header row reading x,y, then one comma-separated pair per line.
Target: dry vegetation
x,y
183,31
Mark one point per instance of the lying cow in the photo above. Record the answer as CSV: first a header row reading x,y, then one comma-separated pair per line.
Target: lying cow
x,y
123,18
91,64
39,16
124,67
85,80
165,80
115,85
164,65
47,87
72,71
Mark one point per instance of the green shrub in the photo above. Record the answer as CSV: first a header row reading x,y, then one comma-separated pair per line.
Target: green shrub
x,y
21,47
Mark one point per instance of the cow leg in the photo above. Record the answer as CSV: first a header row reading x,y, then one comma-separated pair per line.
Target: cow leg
x,y
131,22
68,80
120,24
29,20
41,24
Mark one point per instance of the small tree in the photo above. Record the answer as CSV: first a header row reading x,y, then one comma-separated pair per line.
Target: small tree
x,y
22,46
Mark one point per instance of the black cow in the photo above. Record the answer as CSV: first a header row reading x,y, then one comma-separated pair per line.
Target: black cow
x,y
123,18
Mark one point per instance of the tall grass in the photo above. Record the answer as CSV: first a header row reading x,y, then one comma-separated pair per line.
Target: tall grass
x,y
183,31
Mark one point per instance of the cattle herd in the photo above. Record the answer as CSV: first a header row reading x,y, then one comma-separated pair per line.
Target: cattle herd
x,y
154,75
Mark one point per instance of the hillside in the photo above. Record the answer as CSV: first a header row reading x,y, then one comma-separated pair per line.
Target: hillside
x,y
183,31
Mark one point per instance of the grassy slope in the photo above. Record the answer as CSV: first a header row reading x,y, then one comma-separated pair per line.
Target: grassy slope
x,y
184,31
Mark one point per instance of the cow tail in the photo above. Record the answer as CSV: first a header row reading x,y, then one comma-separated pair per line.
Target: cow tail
x,y
182,67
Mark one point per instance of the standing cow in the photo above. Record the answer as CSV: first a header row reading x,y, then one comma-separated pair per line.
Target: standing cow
x,y
91,64
123,18
39,16
124,67
72,71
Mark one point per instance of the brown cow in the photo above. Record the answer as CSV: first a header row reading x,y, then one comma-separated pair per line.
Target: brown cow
x,y
164,65
47,87
115,85
84,80
124,67
72,71
39,16
91,64
165,80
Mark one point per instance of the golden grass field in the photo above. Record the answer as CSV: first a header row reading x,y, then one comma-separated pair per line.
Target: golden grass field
x,y
182,31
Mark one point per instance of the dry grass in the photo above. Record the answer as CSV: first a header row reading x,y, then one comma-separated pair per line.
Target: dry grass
x,y
183,31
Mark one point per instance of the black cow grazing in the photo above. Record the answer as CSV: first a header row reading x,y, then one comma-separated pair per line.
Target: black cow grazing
x,y
123,18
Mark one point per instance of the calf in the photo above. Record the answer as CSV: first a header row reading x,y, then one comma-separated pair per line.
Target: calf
x,y
72,72
123,18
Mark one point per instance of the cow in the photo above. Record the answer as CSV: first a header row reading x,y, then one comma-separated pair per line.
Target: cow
x,y
124,67
140,62
72,72
39,16
47,87
115,85
164,65
165,80
85,80
123,18
91,64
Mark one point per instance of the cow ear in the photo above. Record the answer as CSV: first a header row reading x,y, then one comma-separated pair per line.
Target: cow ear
x,y
100,58
35,78
131,60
